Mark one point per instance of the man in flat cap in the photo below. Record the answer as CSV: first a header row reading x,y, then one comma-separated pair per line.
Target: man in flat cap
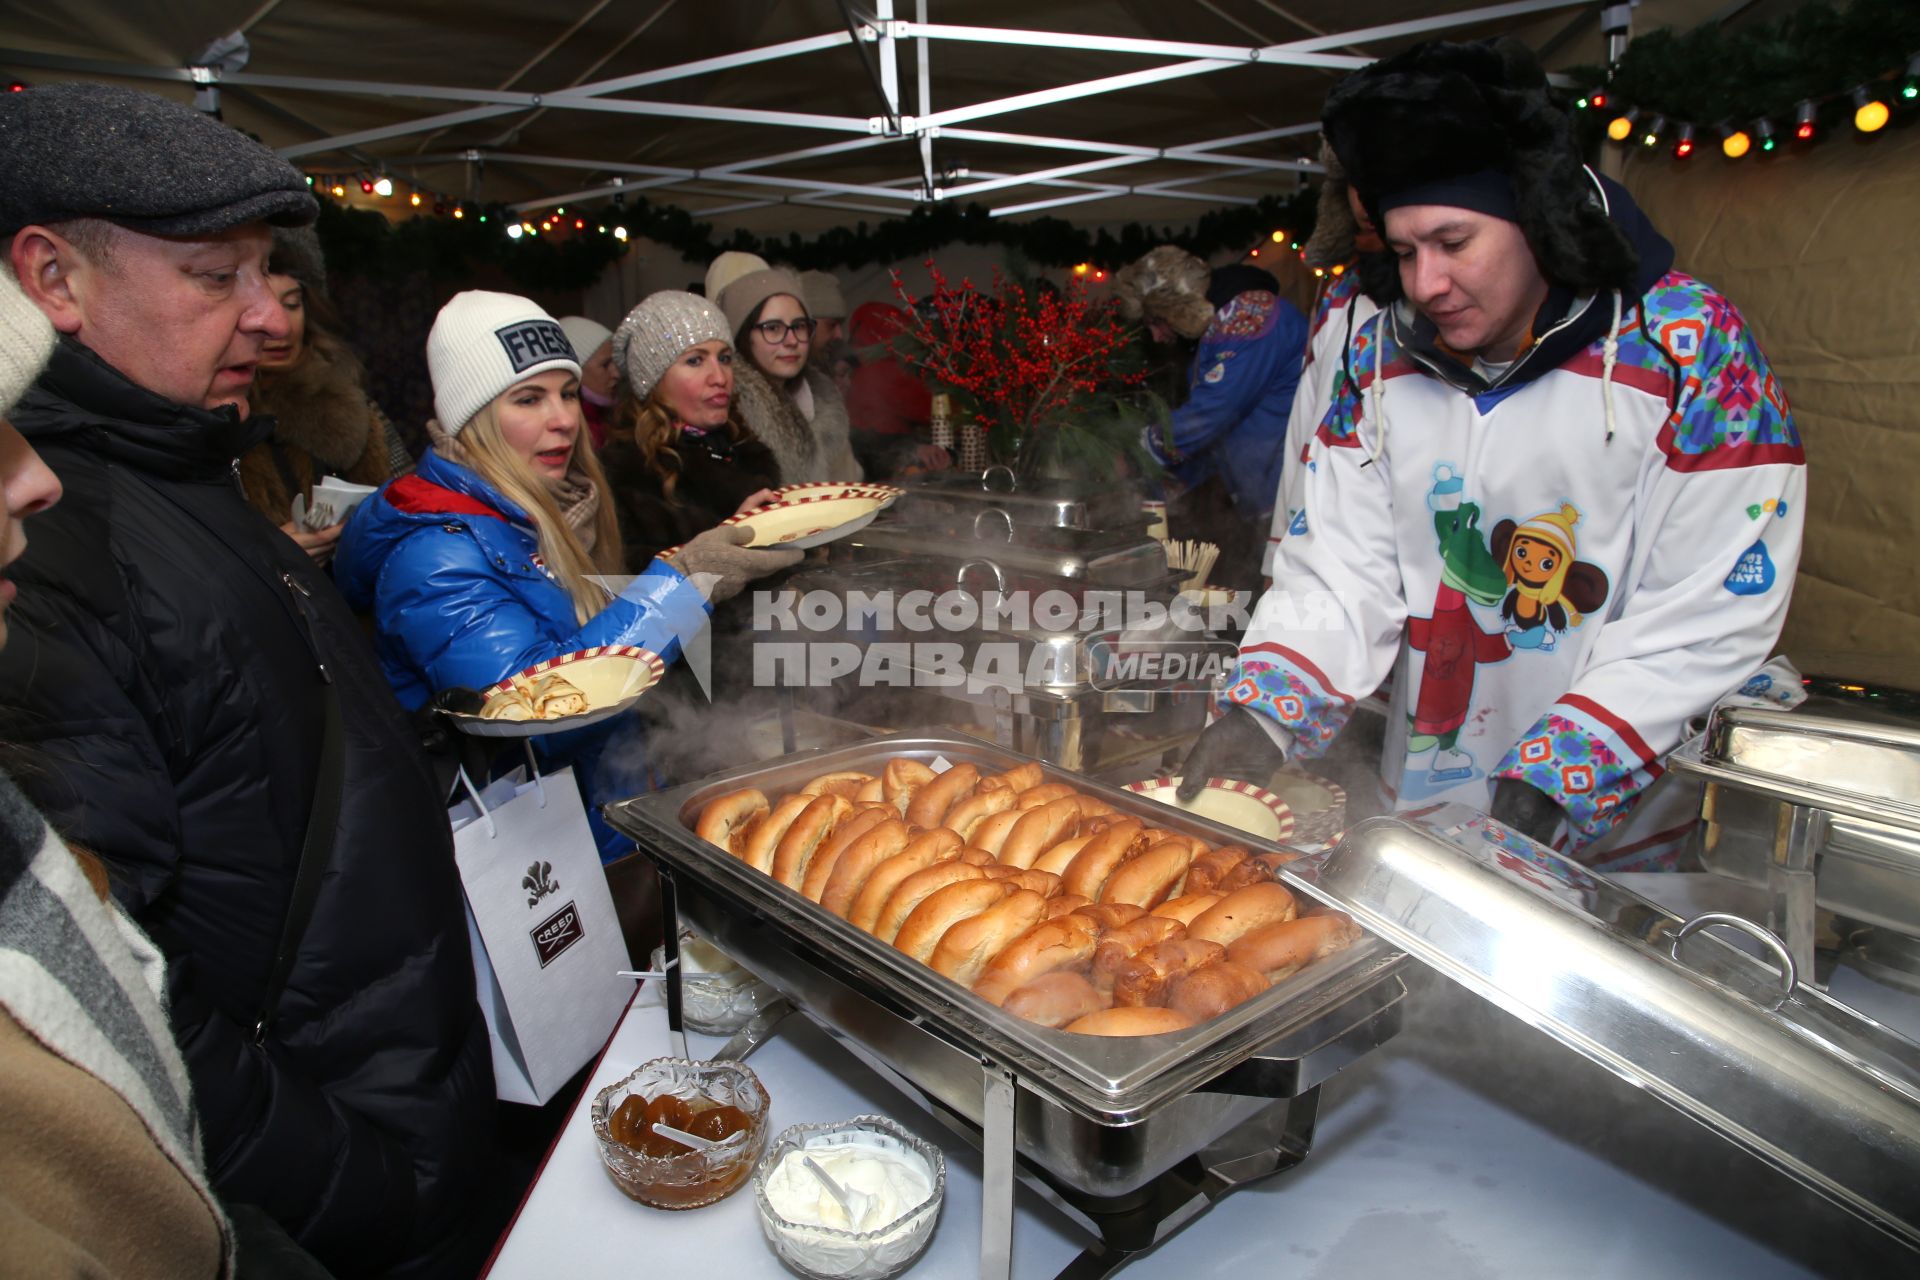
x,y
203,713
1560,498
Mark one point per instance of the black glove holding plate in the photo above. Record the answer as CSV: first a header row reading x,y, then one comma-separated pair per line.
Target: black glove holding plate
x,y
1235,746
449,750
1526,809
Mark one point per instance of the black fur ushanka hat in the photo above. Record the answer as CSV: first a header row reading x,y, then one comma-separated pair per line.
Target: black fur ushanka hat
x,y
1443,111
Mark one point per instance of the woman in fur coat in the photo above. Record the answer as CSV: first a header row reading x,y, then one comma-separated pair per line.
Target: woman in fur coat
x,y
795,411
314,388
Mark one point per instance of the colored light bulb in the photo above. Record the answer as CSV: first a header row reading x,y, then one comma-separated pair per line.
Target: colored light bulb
x,y
1736,144
1870,114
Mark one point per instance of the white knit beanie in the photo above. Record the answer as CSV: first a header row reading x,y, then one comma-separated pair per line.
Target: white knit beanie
x,y
730,266
661,330
483,343
585,334
26,340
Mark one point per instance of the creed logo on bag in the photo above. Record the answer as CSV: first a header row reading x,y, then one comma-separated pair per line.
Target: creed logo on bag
x,y
556,933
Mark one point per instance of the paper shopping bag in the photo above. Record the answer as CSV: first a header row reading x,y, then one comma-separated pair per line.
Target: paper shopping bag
x,y
547,948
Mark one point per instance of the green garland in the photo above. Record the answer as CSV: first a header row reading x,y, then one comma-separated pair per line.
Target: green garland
x,y
361,241
1710,75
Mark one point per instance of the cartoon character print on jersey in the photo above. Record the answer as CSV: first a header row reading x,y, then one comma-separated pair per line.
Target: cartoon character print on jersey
x,y
1548,589
1451,639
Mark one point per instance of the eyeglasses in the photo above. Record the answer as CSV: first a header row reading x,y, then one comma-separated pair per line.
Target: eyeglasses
x,y
775,331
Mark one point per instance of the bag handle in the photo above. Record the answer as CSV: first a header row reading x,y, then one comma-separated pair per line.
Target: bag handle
x,y
316,849
473,792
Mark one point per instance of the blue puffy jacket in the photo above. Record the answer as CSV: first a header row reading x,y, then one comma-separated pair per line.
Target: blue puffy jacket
x,y
1241,387
450,571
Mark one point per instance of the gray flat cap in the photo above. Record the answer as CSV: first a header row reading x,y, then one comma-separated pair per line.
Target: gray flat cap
x,y
97,151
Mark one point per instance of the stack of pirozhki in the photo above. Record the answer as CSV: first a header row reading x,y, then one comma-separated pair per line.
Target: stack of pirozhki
x,y
1046,902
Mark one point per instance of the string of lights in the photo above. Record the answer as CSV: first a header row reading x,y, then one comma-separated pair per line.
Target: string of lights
x,y
1762,88
1871,107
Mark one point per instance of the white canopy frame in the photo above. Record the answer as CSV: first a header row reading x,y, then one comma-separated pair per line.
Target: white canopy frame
x,y
749,185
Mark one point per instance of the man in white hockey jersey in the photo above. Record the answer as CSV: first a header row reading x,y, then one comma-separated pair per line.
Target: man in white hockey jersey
x,y
1561,498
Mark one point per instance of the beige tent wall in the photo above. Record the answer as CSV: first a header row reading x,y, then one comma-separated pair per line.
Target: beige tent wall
x,y
1819,247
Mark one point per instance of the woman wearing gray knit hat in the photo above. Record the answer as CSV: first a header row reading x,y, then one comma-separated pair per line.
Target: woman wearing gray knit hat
x,y
679,459
795,411
492,556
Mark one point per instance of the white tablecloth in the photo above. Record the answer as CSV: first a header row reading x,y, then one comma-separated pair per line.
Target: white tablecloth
x,y
1466,1148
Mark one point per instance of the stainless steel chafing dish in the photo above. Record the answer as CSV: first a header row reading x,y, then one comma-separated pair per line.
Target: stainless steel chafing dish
x,y
996,500
1121,1131
1826,1095
1819,806
1074,560
1098,1123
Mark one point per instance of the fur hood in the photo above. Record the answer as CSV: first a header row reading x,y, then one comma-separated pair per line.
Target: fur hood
x,y
804,451
770,415
319,405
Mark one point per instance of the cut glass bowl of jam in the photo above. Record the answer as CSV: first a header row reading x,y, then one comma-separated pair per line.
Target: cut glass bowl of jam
x,y
720,1101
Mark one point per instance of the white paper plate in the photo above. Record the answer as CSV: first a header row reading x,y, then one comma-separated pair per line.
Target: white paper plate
x,y
613,678
812,521
1231,803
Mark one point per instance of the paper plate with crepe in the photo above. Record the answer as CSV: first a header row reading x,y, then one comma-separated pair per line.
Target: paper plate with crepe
x,y
1230,803
805,522
571,691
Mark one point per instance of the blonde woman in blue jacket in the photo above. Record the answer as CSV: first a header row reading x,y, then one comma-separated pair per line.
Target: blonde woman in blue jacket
x,y
490,558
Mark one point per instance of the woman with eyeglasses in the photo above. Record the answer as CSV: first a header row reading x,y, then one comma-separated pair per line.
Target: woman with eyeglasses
x,y
795,411
678,459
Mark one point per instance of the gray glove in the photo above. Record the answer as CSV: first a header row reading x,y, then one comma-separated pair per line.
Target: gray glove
x,y
1526,809
723,552
1234,746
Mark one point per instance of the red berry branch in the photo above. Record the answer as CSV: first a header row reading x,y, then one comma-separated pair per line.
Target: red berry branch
x,y
1020,362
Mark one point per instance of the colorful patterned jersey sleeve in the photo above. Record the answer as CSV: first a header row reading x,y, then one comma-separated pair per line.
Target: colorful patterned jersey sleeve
x,y
1327,631
1721,501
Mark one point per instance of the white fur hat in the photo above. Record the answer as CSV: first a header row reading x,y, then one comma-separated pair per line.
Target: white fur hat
x,y
483,343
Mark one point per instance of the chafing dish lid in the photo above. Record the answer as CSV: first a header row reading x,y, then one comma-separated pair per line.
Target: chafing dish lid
x,y
1096,558
1828,753
1068,503
1823,1093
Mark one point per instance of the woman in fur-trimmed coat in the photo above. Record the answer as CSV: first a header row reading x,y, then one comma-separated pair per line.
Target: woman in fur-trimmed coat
x,y
794,410
804,451
314,388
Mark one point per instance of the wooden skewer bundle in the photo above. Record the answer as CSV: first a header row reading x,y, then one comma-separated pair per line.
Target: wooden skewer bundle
x,y
1194,558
